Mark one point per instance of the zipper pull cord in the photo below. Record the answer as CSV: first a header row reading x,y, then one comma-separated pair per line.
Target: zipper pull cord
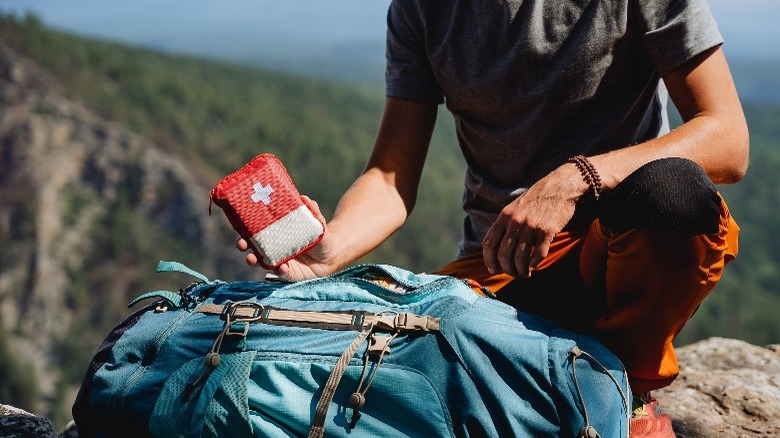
x,y
589,431
358,398
212,357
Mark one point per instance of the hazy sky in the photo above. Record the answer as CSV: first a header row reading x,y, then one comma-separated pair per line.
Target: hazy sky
x,y
150,20
306,28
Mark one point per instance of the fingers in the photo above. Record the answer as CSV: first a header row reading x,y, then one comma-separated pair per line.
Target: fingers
x,y
283,271
251,258
504,251
490,245
507,249
520,260
514,253
541,250
287,272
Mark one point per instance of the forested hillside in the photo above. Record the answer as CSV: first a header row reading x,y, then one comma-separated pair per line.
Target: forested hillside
x,y
219,116
213,117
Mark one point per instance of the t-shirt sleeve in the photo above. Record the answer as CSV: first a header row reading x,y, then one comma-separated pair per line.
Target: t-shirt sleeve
x,y
674,31
409,74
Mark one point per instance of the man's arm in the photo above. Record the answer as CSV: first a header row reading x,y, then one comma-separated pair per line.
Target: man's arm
x,y
714,135
379,201
382,198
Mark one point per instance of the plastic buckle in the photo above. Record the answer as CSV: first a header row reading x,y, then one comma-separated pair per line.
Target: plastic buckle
x,y
230,317
379,344
186,300
410,321
358,319
238,332
231,308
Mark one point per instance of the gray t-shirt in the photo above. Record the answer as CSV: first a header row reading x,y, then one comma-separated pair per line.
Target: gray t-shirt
x,y
531,83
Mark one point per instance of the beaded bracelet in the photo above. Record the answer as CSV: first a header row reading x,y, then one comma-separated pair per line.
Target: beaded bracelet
x,y
588,172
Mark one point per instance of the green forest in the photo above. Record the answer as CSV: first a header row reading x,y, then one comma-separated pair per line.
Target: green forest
x,y
219,115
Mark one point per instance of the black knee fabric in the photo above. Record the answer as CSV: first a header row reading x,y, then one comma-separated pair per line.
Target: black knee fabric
x,y
671,194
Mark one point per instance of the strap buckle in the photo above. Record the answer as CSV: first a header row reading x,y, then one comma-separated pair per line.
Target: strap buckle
x,y
379,344
405,321
410,321
235,330
241,310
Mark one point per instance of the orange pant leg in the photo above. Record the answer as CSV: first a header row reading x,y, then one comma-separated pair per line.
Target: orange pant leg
x,y
651,282
655,280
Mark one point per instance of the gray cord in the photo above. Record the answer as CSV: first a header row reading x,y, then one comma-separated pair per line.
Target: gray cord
x,y
577,352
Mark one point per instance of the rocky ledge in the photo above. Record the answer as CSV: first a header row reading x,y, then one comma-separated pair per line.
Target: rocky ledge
x,y
16,423
726,388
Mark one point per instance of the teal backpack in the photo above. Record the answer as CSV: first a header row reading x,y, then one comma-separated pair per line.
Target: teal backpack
x,y
372,351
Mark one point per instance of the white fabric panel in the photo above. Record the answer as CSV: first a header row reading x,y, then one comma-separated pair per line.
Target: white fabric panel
x,y
288,235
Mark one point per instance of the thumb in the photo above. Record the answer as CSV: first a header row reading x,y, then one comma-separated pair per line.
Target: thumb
x,y
314,207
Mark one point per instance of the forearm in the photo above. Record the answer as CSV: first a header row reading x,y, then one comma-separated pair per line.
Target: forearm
x,y
720,151
382,198
368,213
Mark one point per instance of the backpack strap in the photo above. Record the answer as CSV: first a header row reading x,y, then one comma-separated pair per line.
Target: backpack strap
x,y
179,299
395,322
588,431
320,413
388,320
173,266
171,298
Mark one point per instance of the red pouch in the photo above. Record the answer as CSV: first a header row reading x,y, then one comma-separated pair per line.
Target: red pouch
x,y
264,207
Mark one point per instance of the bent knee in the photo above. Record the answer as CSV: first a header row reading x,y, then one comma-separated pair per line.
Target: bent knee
x,y
671,194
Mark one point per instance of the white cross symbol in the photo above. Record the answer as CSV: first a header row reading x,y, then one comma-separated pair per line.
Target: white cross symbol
x,y
262,193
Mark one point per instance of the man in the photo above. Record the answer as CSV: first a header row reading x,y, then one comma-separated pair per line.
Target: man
x,y
581,205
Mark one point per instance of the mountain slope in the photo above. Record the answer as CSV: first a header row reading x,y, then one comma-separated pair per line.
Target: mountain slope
x,y
87,208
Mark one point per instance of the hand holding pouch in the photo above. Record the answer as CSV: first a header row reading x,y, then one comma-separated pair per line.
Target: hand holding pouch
x,y
264,207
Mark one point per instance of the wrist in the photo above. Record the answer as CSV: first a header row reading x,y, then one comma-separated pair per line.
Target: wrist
x,y
588,174
577,184
336,249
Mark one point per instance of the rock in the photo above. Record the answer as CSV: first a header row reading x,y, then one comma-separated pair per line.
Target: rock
x,y
726,387
16,423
